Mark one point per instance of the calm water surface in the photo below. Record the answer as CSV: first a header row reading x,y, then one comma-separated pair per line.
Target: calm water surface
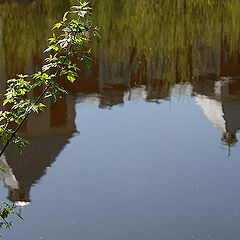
x,y
145,146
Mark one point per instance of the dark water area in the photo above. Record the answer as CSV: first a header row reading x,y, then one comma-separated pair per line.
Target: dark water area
x,y
146,143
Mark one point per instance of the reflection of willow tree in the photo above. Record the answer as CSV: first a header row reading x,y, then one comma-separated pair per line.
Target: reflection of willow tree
x,y
165,36
160,40
24,30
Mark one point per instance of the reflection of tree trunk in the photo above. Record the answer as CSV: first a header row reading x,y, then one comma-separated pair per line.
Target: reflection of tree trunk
x,y
132,56
101,71
221,44
175,29
131,61
184,7
2,83
189,64
143,70
149,77
190,61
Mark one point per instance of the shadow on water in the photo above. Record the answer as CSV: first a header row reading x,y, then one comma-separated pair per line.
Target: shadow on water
x,y
144,52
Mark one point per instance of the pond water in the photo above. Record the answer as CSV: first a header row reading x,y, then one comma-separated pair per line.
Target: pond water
x,y
145,146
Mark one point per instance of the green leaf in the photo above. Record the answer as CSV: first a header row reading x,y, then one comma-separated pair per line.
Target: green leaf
x,y
95,33
22,76
57,25
53,99
71,76
86,60
47,95
65,16
63,72
41,107
87,63
2,170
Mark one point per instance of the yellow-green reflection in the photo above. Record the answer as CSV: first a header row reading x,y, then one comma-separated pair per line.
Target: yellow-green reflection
x,y
152,43
168,37
25,30
155,44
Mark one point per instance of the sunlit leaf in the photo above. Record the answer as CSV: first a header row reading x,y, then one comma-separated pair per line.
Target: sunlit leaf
x,y
65,16
57,25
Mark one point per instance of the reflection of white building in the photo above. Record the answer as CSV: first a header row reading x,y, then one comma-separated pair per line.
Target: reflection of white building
x,y
48,133
23,171
221,106
9,181
8,178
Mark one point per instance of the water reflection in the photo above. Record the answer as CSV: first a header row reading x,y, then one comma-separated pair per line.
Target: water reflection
x,y
156,50
220,101
145,51
26,170
55,127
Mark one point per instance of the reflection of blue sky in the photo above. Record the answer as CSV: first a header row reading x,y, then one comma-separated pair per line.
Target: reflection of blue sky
x,y
138,172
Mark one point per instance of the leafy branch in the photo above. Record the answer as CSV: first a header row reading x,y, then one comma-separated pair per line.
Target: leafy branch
x,y
5,210
69,39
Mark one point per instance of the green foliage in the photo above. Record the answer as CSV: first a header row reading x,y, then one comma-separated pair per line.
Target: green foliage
x,y
70,38
162,37
5,211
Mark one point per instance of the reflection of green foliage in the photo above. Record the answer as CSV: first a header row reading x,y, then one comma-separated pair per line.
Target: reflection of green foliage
x,y
25,28
167,34
164,37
